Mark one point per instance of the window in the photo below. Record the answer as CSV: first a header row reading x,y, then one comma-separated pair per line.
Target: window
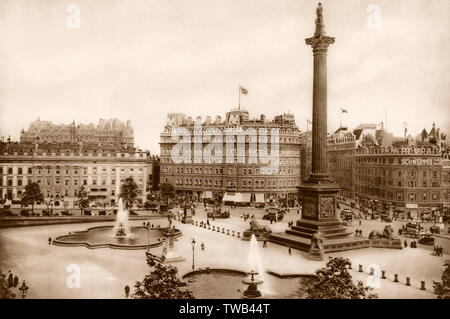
x,y
19,182
75,182
19,171
58,180
84,181
66,182
10,170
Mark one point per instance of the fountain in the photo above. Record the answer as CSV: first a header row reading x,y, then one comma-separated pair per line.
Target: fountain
x,y
121,236
169,254
252,289
121,227
257,268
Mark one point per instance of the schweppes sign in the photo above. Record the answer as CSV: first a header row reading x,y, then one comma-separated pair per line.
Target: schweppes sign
x,y
417,161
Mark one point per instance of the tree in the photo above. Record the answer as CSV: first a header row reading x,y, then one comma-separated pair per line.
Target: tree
x,y
442,289
161,283
167,190
83,198
129,191
32,195
335,282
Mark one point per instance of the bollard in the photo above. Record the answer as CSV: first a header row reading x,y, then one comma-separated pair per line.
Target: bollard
x,y
360,268
218,229
228,231
196,223
395,277
232,232
239,234
214,228
223,230
422,285
383,274
408,283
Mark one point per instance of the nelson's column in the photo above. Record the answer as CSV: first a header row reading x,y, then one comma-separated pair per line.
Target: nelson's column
x,y
319,192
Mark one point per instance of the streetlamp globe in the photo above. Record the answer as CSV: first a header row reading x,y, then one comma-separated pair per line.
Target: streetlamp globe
x,y
23,289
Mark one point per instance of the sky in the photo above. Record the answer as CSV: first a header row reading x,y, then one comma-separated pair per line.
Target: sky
x,y
140,59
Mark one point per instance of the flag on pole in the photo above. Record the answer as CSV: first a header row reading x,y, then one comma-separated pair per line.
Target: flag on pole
x,y
243,90
343,110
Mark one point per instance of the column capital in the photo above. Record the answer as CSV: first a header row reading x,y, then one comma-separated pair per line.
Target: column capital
x,y
320,44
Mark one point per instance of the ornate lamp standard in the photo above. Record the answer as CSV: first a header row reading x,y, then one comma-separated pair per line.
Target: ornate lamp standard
x,y
193,249
23,289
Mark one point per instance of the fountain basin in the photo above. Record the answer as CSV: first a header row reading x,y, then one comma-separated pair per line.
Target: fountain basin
x,y
104,237
217,283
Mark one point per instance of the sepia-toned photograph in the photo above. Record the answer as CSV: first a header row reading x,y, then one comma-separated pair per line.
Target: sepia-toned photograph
x,y
224,149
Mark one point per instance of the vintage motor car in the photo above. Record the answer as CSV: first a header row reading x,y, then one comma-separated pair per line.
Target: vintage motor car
x,y
426,239
274,214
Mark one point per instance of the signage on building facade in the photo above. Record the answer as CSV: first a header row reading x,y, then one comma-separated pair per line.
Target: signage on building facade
x,y
417,161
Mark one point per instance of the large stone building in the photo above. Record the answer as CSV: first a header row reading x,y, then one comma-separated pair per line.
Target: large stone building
x,y
341,152
238,180
106,132
61,168
409,176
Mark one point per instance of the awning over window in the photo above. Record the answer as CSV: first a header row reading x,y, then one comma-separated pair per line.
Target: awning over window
x,y
412,206
228,197
207,195
244,197
259,198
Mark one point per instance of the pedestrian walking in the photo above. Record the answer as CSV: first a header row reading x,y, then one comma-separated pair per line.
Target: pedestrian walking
x,y
49,240
405,243
290,251
10,280
16,281
127,291
360,223
203,246
207,222
265,244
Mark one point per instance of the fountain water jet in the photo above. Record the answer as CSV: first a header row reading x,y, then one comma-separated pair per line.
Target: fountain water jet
x,y
256,265
121,228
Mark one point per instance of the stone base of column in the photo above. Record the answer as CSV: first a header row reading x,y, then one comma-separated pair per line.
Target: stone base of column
x,y
319,215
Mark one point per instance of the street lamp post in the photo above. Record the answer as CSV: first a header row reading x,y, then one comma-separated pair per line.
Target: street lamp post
x,y
193,247
23,289
148,237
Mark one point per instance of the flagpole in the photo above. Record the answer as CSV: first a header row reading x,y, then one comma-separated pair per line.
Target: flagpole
x,y
239,89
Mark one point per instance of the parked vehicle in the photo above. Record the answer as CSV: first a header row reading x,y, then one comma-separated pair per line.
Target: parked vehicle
x,y
347,215
218,214
435,229
87,213
133,213
102,213
274,214
25,212
426,239
45,213
385,218
7,213
260,205
413,230
65,213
